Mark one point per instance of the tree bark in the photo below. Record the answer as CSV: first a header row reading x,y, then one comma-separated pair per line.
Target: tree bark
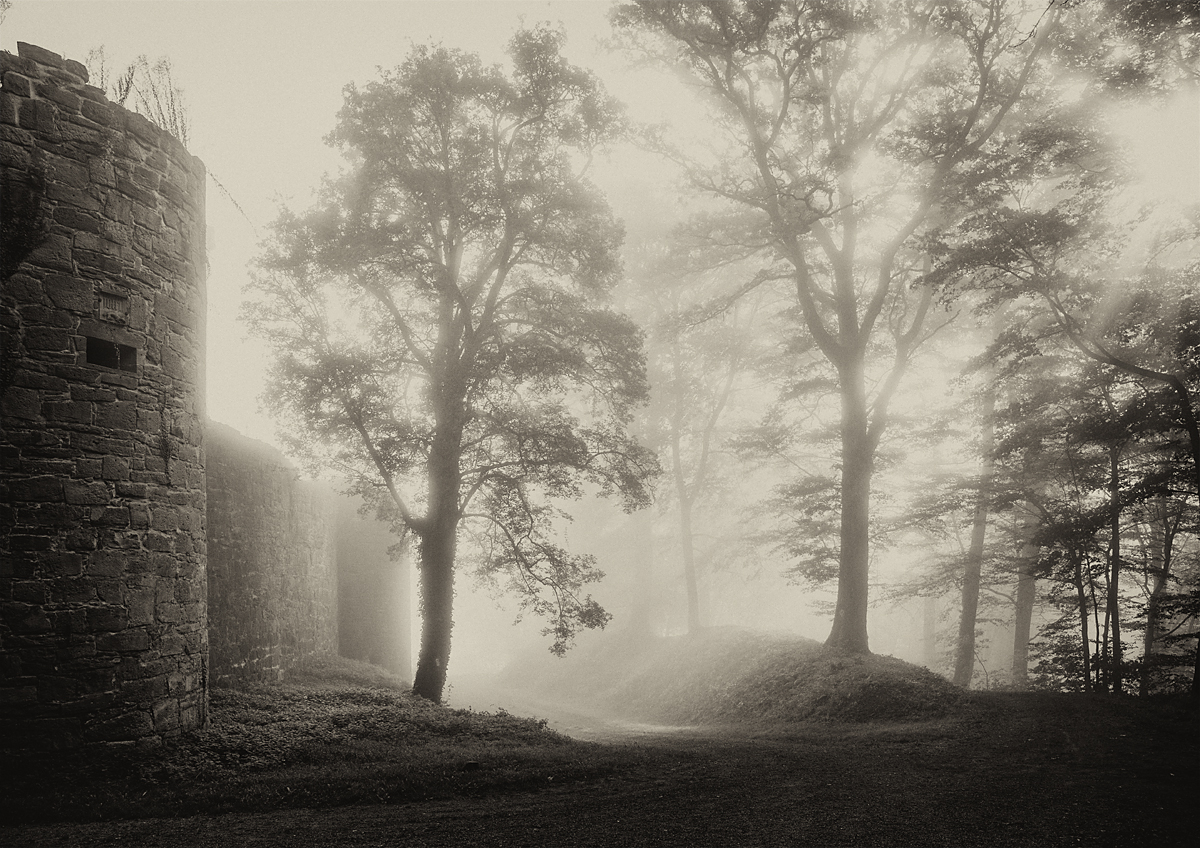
x,y
849,631
964,658
437,609
929,632
1086,651
439,540
1114,569
1161,550
1023,612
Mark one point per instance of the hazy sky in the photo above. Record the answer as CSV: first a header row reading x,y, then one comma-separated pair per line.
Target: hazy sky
x,y
263,83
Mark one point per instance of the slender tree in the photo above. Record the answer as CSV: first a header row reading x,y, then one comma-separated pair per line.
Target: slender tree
x,y
441,328
844,132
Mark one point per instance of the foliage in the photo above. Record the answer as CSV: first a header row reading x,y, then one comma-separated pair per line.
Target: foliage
x,y
845,136
440,323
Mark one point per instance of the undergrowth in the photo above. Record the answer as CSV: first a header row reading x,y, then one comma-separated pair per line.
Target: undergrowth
x,y
335,733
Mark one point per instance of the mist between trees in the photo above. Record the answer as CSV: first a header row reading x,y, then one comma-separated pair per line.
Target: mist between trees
x,y
899,338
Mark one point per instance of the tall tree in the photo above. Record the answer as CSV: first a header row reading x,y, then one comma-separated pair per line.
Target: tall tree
x,y
844,133
441,328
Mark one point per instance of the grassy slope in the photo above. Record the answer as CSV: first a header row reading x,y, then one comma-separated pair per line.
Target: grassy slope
x,y
727,675
338,732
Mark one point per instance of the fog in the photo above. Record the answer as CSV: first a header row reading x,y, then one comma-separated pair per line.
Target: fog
x,y
728,418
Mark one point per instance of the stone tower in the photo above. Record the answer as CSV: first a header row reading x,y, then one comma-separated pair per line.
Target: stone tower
x,y
102,500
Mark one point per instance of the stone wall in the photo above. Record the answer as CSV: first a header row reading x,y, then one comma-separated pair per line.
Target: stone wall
x,y
102,501
272,561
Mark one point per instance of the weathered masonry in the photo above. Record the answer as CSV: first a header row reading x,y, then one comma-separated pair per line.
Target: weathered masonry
x,y
145,553
103,615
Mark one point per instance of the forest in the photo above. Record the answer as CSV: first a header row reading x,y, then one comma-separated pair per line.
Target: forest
x,y
904,335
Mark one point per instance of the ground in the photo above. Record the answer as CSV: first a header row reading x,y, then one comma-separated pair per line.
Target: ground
x,y
998,769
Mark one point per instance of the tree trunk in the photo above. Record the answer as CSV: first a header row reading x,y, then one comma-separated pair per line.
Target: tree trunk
x,y
964,658
437,609
1161,549
1083,624
849,632
1114,576
641,617
1023,613
689,565
929,633
439,539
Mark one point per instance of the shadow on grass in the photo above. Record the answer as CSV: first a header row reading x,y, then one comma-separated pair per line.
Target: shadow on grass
x,y
336,733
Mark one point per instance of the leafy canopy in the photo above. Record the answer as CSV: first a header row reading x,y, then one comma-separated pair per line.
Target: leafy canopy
x,y
440,319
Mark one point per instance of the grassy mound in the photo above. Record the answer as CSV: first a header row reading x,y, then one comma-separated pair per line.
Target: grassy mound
x,y
336,732
729,675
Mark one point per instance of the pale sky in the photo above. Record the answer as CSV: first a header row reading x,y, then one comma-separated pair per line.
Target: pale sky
x,y
263,82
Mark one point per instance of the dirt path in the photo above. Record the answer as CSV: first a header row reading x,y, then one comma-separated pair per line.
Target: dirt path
x,y
569,719
1007,774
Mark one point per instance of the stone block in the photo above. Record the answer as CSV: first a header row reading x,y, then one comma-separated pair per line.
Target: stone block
x,y
160,542
40,116
168,612
112,516
140,601
13,156
68,100
107,618
77,219
126,489
25,619
83,492
22,403
93,394
29,592
36,489
40,55
72,590
67,292
52,339
120,415
102,113
135,639
116,468
165,519
63,564
17,84
22,542
135,724
54,252
9,109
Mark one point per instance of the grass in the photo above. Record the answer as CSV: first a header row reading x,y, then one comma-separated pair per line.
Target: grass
x,y
737,676
337,732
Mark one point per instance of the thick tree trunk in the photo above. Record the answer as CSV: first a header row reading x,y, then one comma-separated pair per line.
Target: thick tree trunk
x,y
849,632
439,540
964,657
437,609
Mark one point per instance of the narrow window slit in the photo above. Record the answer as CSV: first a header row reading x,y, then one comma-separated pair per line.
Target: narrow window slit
x,y
108,354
